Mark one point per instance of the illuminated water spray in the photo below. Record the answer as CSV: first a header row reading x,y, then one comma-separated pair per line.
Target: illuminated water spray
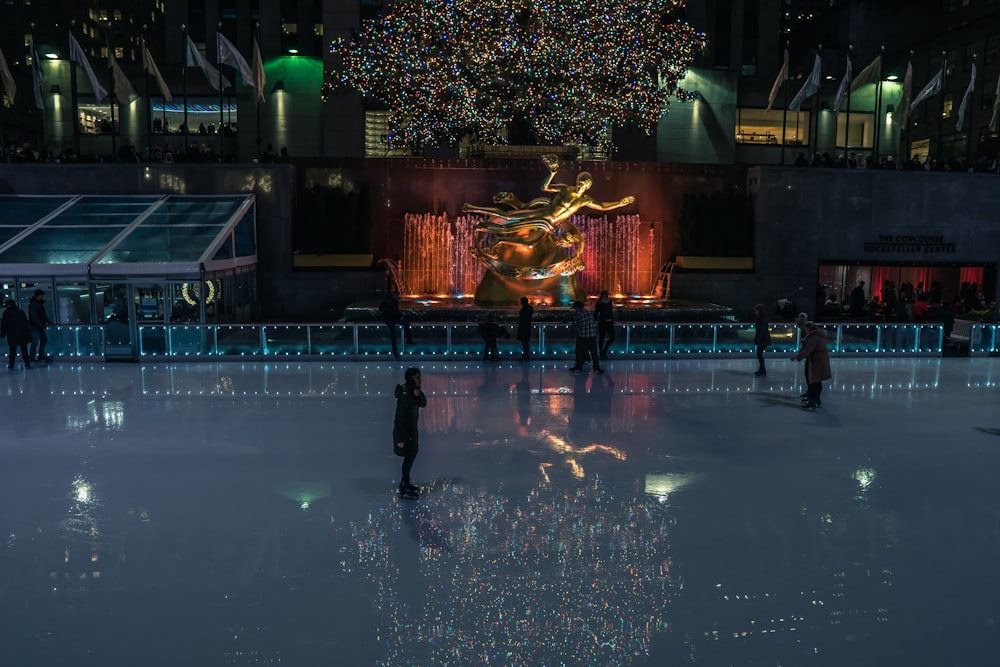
x,y
620,255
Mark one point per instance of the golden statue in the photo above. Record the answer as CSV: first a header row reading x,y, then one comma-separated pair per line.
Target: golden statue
x,y
533,247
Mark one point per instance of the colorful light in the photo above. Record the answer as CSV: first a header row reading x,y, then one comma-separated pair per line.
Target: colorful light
x,y
570,69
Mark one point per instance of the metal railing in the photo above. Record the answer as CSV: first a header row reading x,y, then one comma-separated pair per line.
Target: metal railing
x,y
461,340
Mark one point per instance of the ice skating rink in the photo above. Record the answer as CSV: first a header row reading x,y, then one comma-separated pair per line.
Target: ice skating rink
x,y
666,513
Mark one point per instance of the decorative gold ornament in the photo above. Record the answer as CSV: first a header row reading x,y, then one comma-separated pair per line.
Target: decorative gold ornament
x,y
190,292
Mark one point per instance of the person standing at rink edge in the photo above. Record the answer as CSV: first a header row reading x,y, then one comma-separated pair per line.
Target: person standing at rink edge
x,y
409,399
761,337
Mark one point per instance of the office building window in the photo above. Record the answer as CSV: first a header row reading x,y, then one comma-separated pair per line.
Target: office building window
x,y
772,128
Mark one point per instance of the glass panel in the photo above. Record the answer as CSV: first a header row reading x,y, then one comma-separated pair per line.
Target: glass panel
x,y
862,130
60,246
334,339
199,210
7,233
734,338
243,235
162,244
465,340
784,338
980,338
24,211
149,306
113,306
931,338
203,114
183,304
238,340
75,341
184,340
648,339
153,340
225,251
103,211
694,338
72,303
559,339
286,340
898,338
373,339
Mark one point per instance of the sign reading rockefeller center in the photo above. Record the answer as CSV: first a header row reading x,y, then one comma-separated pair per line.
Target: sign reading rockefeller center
x,y
905,243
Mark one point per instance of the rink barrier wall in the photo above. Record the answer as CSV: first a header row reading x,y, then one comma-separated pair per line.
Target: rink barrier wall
x,y
461,340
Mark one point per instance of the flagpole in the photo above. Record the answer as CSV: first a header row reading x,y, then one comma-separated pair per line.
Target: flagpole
x,y
815,120
75,95
184,83
784,111
112,96
944,78
905,127
3,120
257,94
222,117
36,92
972,115
149,101
847,119
878,111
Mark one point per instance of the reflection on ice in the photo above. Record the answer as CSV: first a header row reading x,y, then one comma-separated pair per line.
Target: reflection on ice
x,y
550,575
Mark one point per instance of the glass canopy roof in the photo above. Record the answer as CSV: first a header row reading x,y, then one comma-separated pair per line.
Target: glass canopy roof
x,y
121,236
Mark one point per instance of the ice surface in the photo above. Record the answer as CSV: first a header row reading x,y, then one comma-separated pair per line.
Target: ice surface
x,y
666,513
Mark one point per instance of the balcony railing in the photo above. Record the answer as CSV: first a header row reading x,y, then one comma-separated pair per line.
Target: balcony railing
x,y
550,341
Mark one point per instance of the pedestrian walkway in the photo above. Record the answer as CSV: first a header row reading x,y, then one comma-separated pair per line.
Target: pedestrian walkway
x,y
666,512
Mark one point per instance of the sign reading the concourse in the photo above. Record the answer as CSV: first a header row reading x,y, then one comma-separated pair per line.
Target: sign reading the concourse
x,y
909,243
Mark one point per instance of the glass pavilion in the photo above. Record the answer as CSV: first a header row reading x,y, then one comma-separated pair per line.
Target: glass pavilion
x,y
125,261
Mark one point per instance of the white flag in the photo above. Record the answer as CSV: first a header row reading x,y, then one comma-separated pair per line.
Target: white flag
x,y
124,90
809,88
77,55
782,77
965,99
996,108
228,55
36,75
903,115
9,89
196,59
932,88
842,90
150,66
258,72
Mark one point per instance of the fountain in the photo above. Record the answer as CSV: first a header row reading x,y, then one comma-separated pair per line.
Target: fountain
x,y
620,255
535,249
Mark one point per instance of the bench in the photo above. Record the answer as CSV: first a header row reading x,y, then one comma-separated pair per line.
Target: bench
x,y
961,333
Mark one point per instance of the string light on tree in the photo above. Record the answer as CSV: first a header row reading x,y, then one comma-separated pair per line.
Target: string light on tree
x,y
569,69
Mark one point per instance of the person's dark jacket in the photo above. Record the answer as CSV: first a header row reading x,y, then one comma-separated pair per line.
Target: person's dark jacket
x,y
524,322
14,326
762,331
404,427
37,317
604,311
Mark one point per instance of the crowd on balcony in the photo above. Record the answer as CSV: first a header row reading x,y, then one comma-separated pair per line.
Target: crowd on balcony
x,y
856,160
